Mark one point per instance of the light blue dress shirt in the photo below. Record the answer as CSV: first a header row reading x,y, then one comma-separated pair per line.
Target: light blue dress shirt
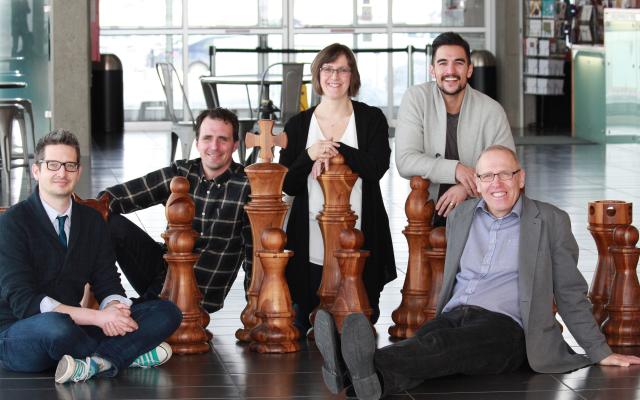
x,y
488,272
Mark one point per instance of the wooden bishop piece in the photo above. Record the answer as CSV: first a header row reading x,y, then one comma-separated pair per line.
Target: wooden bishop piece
x,y
265,210
622,328
409,316
275,333
180,283
435,256
352,295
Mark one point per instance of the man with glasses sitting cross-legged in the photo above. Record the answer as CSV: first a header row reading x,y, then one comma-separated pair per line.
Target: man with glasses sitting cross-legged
x,y
51,247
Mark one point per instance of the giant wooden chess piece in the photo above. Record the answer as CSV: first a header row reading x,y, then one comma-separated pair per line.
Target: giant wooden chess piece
x,y
275,333
265,210
604,216
101,205
336,215
435,261
180,283
622,327
409,316
352,295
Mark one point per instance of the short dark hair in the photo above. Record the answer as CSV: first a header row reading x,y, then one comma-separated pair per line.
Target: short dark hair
x,y
222,114
449,39
330,54
58,136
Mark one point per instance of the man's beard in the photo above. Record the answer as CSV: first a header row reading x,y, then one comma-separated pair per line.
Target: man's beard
x,y
460,88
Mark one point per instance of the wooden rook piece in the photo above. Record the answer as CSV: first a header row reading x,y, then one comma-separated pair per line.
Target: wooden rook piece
x,y
622,327
604,216
352,295
336,215
435,262
409,316
180,283
275,333
265,210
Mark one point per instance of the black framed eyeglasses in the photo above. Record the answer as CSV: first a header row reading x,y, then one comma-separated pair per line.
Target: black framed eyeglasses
x,y
503,176
330,71
53,165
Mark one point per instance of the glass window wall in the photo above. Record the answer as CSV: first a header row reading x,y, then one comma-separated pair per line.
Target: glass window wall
x,y
181,31
140,13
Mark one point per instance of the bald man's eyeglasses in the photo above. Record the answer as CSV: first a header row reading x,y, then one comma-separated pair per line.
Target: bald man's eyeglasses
x,y
503,176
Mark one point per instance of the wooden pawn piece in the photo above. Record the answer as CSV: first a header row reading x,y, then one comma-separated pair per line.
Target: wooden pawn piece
x,y
336,215
275,333
604,216
352,295
409,316
622,327
435,262
180,283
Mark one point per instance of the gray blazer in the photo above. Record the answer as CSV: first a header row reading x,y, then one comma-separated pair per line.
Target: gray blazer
x,y
548,269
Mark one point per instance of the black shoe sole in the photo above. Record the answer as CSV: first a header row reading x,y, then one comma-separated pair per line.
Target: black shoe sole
x,y
358,348
326,337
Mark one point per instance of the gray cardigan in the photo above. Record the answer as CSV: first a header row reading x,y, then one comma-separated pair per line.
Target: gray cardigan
x,y
421,133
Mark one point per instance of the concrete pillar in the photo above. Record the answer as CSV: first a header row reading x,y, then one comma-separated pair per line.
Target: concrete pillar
x,y
71,69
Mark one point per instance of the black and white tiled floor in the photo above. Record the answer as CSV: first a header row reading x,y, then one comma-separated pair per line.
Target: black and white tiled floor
x,y
568,176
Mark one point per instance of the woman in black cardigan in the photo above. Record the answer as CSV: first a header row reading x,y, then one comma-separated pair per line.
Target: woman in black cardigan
x,y
360,133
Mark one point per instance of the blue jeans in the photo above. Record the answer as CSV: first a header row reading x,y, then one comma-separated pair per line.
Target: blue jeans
x,y
466,340
37,343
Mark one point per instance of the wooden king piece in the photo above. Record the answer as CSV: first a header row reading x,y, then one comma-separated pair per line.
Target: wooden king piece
x,y
265,210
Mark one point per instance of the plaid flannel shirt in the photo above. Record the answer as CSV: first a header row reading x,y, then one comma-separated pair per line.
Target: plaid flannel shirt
x,y
225,232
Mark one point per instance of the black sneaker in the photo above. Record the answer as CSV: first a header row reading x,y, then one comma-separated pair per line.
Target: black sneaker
x,y
358,348
326,336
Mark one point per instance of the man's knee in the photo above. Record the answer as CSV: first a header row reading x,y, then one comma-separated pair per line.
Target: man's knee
x,y
119,227
166,316
58,327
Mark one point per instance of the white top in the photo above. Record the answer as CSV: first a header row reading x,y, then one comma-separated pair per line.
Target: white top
x,y
316,198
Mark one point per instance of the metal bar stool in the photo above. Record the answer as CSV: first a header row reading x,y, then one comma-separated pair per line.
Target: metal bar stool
x,y
27,109
9,113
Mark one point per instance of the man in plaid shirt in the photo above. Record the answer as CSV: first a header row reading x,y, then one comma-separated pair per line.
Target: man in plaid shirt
x,y
220,190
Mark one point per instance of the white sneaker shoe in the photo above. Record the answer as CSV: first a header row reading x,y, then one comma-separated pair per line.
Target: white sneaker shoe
x,y
73,369
154,357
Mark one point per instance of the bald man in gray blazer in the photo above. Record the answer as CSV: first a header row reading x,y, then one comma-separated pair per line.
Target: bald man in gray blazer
x,y
508,258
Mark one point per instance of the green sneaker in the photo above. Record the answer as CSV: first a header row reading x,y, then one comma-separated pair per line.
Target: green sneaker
x,y
153,358
72,369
